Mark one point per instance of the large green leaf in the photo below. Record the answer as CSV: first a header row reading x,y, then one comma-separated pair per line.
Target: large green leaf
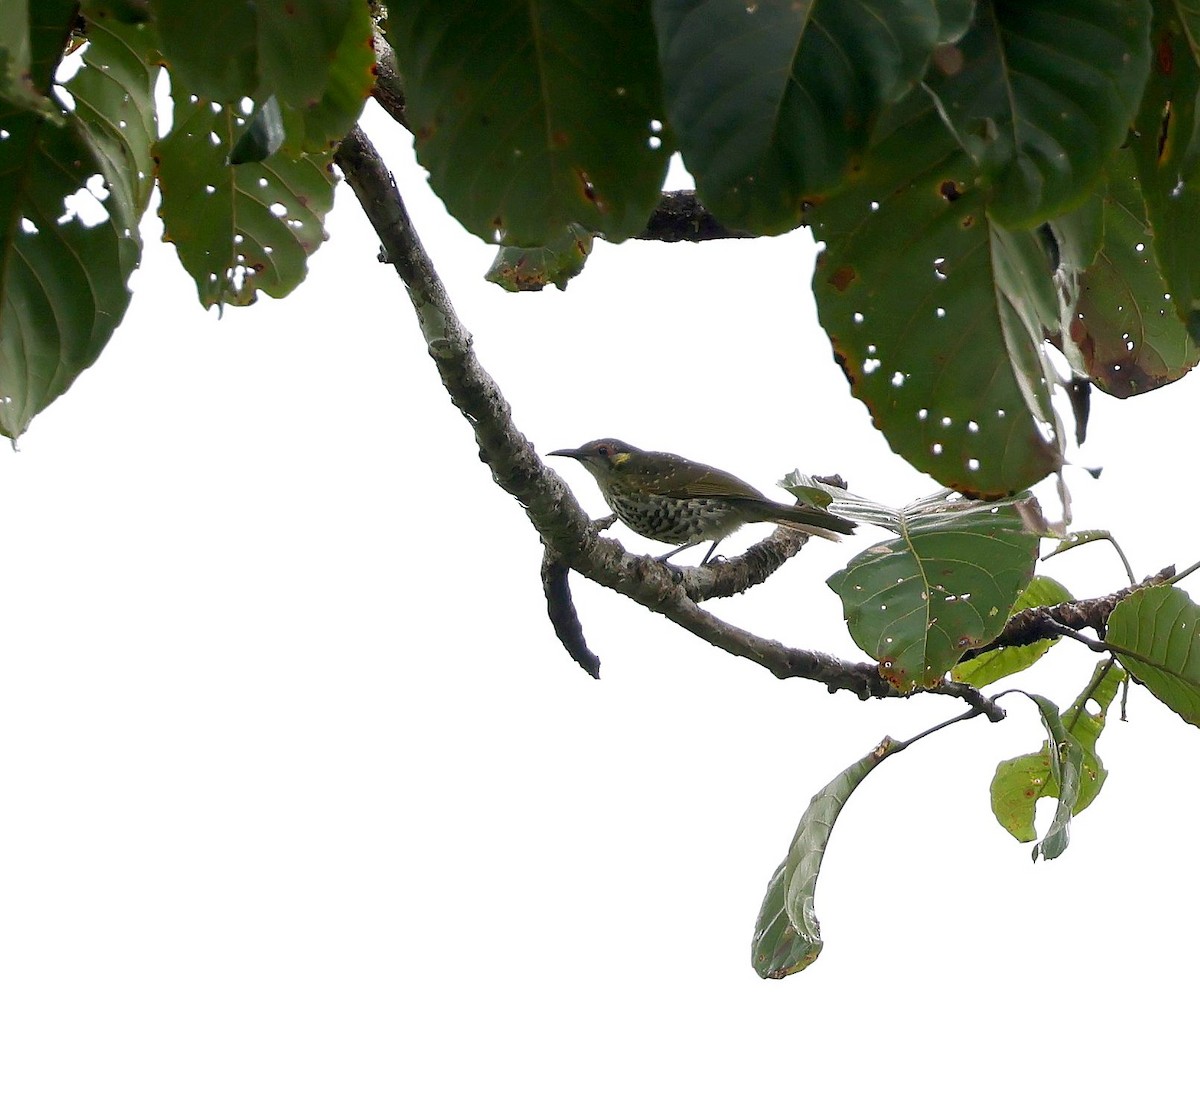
x,y
72,193
228,49
770,99
533,117
1166,143
239,229
787,936
1118,326
946,584
1154,634
937,314
1020,782
1040,93
998,663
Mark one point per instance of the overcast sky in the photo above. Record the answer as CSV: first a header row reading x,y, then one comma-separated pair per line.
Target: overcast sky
x,y
302,805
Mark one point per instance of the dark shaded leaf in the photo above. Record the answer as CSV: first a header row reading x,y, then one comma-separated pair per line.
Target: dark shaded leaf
x,y
771,99
262,135
556,110
1044,92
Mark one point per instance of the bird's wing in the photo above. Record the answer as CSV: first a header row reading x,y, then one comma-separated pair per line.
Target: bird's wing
x,y
692,480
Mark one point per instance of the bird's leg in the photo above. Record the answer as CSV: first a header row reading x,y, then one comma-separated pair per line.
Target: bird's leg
x,y
676,551
712,549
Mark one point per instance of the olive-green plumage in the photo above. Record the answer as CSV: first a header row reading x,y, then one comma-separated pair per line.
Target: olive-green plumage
x,y
677,501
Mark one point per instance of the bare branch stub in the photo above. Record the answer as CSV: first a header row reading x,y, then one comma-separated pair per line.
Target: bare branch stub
x,y
563,615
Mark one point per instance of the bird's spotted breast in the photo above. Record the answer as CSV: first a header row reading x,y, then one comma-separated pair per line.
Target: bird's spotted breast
x,y
672,520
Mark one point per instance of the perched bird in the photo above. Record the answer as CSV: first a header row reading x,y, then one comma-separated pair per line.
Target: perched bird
x,y
677,501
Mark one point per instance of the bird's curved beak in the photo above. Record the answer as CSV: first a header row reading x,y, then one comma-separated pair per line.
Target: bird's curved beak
x,y
570,453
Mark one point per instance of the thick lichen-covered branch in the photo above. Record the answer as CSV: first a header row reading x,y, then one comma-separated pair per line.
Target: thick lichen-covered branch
x,y
570,537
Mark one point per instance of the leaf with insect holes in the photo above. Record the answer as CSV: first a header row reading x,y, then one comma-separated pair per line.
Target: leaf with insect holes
x,y
239,229
1119,327
72,194
946,584
1021,781
937,313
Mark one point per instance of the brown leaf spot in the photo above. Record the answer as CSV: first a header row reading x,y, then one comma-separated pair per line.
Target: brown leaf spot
x,y
949,59
968,221
841,278
949,190
1164,54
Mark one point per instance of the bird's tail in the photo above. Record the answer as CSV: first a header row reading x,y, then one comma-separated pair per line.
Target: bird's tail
x,y
809,519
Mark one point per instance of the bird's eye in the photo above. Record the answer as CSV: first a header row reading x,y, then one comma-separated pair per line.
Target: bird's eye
x,y
602,450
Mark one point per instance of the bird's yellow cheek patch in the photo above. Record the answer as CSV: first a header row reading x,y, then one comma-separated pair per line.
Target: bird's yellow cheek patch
x,y
621,458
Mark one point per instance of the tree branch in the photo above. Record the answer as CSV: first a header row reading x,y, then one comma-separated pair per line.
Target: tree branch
x,y
550,506
1043,623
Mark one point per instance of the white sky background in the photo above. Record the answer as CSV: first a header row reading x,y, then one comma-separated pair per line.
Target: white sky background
x,y
303,806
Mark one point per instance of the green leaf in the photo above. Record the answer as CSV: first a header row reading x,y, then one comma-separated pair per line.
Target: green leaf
x,y
321,125
1166,144
72,193
211,48
1066,759
521,269
228,49
1118,326
787,936
1041,93
114,102
1153,632
238,229
770,100
1020,782
262,136
533,117
945,585
995,665
937,315
119,11
17,85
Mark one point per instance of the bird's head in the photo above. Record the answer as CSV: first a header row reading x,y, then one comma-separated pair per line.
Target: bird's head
x,y
601,457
